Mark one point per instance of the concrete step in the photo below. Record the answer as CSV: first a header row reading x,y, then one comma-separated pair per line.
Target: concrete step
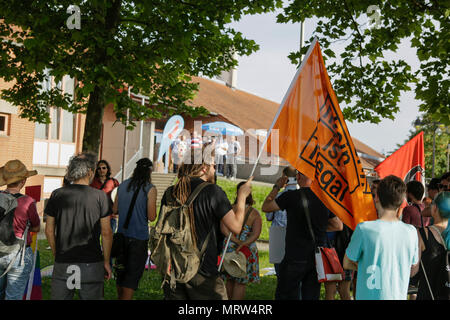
x,y
162,181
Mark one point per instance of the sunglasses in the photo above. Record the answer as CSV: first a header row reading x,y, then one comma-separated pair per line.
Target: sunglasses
x,y
102,168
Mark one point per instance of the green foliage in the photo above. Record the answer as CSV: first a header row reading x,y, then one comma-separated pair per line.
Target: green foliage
x,y
152,46
259,193
363,78
150,284
442,140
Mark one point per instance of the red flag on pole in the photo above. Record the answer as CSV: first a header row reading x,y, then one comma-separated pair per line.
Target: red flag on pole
x,y
407,163
315,140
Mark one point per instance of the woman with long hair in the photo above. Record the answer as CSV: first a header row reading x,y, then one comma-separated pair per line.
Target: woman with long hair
x,y
246,240
433,250
103,181
133,224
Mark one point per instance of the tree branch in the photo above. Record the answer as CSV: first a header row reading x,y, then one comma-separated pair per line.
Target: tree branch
x,y
135,21
188,4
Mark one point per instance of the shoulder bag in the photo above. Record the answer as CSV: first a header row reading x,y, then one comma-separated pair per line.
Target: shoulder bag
x,y
118,245
327,262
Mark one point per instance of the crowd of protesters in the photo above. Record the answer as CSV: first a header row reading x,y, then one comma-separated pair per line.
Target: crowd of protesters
x,y
100,228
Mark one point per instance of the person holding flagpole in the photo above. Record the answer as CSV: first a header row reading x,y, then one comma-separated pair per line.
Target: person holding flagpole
x,y
297,269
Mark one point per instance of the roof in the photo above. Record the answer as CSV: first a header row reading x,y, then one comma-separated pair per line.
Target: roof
x,y
242,109
249,111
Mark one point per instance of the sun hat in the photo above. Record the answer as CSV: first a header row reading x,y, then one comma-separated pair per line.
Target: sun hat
x,y
14,171
235,264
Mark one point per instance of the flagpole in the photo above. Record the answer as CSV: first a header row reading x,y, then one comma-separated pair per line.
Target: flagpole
x,y
33,268
311,47
282,102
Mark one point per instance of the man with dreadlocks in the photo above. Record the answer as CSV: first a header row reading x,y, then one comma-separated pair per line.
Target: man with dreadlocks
x,y
209,208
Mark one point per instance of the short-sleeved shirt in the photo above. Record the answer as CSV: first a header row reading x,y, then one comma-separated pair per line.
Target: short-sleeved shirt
x,y
279,218
138,226
25,211
385,252
299,243
77,210
411,215
210,206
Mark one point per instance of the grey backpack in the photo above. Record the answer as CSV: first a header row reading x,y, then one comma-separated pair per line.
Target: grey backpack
x,y
171,244
8,241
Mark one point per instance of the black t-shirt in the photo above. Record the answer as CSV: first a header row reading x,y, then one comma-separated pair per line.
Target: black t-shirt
x,y
299,243
210,206
77,210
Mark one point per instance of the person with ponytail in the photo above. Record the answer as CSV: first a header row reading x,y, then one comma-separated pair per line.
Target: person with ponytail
x,y
434,242
209,209
133,224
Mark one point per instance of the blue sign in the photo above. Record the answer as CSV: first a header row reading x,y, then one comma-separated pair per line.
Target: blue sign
x,y
173,128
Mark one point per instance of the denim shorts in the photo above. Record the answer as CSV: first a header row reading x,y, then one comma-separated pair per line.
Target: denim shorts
x,y
13,284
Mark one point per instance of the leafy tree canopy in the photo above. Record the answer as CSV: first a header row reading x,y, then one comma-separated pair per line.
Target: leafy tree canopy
x,y
363,78
438,132
153,46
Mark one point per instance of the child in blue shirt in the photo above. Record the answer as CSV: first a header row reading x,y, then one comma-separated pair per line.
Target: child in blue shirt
x,y
384,251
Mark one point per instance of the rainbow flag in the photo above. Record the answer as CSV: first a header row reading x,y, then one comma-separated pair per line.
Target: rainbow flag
x,y
33,291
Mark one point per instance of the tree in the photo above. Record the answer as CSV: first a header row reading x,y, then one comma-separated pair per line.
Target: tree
x,y
363,78
151,46
435,134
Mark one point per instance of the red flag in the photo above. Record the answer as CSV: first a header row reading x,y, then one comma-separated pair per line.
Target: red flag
x,y
34,192
407,163
315,140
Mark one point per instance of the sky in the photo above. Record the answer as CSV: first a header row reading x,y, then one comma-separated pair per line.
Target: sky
x,y
269,72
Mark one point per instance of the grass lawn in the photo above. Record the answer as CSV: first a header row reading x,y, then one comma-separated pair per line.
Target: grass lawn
x,y
259,194
150,284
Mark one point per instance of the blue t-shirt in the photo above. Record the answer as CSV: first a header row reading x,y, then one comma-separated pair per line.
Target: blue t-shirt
x,y
385,252
138,226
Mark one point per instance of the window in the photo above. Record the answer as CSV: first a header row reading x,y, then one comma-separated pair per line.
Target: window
x,y
63,123
61,128
54,143
4,124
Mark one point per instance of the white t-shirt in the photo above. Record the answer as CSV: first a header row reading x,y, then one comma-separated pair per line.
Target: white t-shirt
x,y
221,148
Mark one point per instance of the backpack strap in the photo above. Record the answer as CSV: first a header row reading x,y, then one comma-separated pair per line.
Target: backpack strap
x,y
420,212
130,209
304,204
195,193
104,183
21,242
440,236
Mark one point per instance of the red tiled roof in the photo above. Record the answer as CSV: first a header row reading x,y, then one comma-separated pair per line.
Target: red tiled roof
x,y
249,111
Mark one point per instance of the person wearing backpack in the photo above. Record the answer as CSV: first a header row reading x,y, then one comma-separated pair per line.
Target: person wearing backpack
x,y
103,181
135,204
187,240
18,217
434,281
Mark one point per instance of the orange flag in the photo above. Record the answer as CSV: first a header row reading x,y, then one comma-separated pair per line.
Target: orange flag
x,y
314,138
407,163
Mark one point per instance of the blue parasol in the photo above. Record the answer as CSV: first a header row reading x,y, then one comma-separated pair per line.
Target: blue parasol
x,y
223,128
